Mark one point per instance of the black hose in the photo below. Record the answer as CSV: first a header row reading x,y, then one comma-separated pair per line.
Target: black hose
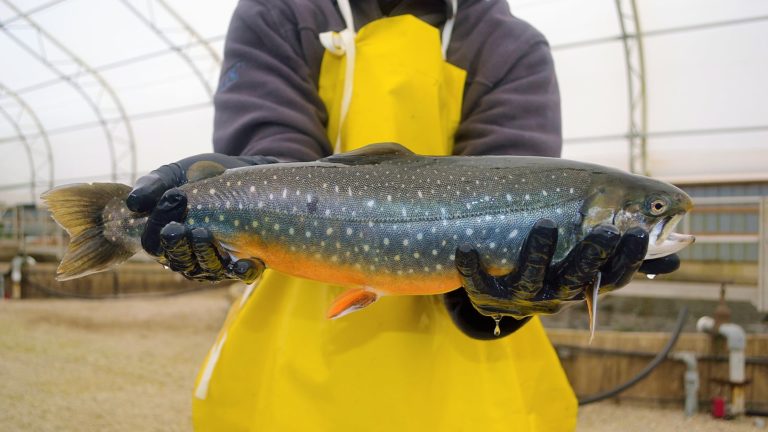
x,y
756,413
660,357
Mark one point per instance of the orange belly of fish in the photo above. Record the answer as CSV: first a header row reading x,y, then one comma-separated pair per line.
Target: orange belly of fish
x,y
323,268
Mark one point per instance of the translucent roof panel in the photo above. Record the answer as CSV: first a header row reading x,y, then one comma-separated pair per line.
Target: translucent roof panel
x,y
705,67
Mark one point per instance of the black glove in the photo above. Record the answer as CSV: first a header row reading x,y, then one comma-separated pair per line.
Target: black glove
x,y
540,287
193,253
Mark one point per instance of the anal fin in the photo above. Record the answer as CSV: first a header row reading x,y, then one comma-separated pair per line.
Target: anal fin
x,y
351,301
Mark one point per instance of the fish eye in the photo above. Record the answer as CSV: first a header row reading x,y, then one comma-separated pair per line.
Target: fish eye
x,y
657,206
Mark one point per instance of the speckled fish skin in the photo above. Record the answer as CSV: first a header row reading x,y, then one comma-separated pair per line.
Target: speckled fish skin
x,y
392,226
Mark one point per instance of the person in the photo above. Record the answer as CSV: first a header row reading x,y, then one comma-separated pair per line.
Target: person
x,y
304,78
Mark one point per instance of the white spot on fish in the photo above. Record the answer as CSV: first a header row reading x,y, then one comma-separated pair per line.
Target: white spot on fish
x,y
492,245
420,195
227,204
255,223
329,231
509,197
504,261
309,198
349,231
416,255
559,211
570,190
527,196
371,203
199,206
396,258
194,191
438,267
308,234
419,236
469,231
389,197
212,191
366,248
405,242
434,251
237,222
544,193
191,221
513,234
253,188
221,217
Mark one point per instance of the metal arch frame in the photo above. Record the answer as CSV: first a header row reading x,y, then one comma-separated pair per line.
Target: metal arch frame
x,y
28,140
634,57
93,102
151,21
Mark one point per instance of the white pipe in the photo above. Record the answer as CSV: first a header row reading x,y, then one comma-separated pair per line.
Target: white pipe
x,y
691,381
737,341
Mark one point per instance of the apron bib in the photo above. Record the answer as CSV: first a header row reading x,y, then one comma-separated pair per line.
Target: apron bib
x,y
401,364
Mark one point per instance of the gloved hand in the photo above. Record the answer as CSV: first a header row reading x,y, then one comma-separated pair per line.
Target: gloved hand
x,y
540,287
193,253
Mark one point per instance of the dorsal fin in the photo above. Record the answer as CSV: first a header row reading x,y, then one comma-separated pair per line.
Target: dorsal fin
x,y
201,170
370,154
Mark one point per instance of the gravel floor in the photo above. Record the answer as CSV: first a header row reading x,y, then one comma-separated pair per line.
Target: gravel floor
x,y
129,365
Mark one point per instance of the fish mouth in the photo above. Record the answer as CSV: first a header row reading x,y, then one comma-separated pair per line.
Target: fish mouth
x,y
663,241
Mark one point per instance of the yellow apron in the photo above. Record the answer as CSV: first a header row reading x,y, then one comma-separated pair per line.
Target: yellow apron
x,y
400,364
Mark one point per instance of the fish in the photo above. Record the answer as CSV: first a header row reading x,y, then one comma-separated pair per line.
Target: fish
x,y
380,220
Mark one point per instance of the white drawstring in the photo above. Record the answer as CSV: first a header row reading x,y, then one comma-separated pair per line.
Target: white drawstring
x,y
448,28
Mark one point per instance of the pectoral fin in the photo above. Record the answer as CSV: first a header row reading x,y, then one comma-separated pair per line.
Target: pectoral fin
x,y
350,301
591,295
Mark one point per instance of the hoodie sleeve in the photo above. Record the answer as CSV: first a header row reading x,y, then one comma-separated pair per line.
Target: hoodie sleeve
x,y
267,101
519,114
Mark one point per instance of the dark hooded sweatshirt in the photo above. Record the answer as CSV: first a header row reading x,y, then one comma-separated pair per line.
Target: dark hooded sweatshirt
x,y
268,104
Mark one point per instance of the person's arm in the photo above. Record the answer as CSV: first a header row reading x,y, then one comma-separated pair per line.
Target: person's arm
x,y
267,102
267,110
520,115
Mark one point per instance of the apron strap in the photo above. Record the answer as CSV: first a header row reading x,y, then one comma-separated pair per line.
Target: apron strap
x,y
343,43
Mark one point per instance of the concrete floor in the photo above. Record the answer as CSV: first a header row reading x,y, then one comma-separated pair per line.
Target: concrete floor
x,y
129,365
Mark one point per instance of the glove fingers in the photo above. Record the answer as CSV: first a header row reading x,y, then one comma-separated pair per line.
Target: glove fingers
x,y
150,188
171,208
580,267
176,247
247,270
535,257
206,252
663,265
470,272
628,257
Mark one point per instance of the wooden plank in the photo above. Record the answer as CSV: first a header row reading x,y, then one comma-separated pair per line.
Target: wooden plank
x,y
591,373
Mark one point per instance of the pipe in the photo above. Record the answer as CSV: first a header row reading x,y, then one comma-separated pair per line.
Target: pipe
x,y
737,342
17,263
660,357
691,380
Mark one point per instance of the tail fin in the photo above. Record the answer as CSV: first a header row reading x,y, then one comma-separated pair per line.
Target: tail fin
x,y
79,209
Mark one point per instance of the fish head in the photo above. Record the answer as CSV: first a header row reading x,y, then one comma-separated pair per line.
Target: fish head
x,y
628,200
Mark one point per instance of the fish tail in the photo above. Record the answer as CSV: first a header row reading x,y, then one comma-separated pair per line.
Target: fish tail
x,y
79,209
